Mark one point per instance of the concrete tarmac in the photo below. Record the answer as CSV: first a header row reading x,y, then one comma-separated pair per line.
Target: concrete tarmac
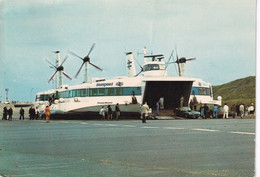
x,y
182,148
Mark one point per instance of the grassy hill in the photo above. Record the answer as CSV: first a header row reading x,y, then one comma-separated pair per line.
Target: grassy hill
x,y
238,91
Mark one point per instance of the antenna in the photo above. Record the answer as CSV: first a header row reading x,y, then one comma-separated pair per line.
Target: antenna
x,y
7,89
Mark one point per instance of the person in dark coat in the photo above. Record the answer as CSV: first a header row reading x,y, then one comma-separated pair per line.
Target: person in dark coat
x,y
206,111
117,109
31,113
10,114
109,112
21,113
5,112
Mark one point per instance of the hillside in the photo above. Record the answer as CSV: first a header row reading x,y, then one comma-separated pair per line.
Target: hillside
x,y
238,91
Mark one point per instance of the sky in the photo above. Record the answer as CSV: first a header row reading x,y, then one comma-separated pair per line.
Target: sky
x,y
220,34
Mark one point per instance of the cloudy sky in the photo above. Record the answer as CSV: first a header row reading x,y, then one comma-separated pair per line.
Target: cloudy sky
x,y
220,34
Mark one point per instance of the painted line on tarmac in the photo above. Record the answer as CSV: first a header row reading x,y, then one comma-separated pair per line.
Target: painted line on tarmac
x,y
84,123
243,133
149,127
173,128
98,124
205,130
112,125
128,126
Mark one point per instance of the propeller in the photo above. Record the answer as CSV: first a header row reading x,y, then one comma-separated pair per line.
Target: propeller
x,y
85,59
181,60
59,68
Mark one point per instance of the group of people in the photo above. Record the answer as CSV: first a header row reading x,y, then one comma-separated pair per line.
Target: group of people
x,y
107,114
235,110
7,112
33,113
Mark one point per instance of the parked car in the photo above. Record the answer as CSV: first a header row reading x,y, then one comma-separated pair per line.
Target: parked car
x,y
187,113
231,114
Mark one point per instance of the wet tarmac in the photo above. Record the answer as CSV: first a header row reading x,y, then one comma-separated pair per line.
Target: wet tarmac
x,y
214,147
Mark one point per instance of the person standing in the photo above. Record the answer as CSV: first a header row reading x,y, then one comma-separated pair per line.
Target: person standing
x,y
109,112
47,114
5,112
215,111
206,111
30,113
251,110
117,109
201,110
241,110
21,113
145,109
157,108
191,104
36,113
233,111
181,101
102,112
10,113
134,100
225,111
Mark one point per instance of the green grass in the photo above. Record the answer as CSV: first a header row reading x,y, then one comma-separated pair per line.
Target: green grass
x,y
236,92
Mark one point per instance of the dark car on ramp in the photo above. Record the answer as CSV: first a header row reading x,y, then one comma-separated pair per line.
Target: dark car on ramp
x,y
187,113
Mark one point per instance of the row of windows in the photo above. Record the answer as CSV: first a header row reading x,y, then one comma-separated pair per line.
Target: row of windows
x,y
200,91
150,67
118,91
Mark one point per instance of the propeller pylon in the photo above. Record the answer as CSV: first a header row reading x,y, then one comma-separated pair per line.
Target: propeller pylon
x,y
86,61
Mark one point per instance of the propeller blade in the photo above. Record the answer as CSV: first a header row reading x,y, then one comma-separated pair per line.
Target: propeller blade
x,y
177,61
75,55
169,60
67,75
64,59
138,73
50,63
52,76
96,66
79,70
91,49
190,59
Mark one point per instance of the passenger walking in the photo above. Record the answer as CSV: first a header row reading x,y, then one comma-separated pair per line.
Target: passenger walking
x,y
47,114
145,109
109,112
5,112
242,110
251,110
21,113
117,109
215,111
10,113
102,112
225,111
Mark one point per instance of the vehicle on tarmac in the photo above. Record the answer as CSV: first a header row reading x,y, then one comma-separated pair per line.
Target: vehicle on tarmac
x,y
186,112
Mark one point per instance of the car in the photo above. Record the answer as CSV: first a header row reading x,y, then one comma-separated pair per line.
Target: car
x,y
187,113
220,113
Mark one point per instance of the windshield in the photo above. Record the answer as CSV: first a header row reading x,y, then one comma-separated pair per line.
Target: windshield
x,y
150,67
